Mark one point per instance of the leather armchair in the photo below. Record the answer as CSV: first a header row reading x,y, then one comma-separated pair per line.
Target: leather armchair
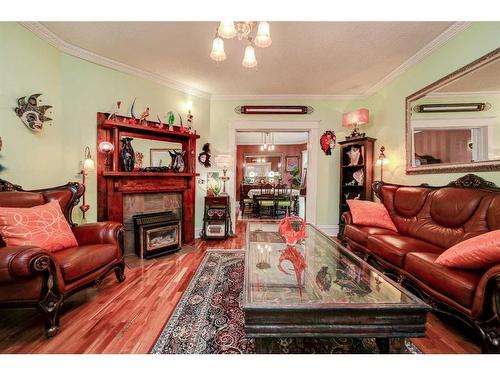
x,y
33,277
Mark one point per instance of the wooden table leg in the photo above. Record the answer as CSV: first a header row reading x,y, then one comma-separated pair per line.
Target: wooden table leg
x,y
398,345
383,344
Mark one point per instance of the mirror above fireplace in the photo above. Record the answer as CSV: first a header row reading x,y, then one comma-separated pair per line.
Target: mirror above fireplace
x,y
153,153
453,124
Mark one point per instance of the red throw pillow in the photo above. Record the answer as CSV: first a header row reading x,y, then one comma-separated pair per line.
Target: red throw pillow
x,y
476,253
370,214
43,226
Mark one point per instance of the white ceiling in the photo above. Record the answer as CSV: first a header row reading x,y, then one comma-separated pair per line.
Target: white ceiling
x,y
280,138
306,58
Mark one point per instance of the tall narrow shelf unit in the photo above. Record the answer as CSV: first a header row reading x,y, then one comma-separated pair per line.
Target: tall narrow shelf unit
x,y
350,186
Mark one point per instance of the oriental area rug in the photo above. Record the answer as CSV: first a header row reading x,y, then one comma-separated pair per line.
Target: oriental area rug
x,y
209,320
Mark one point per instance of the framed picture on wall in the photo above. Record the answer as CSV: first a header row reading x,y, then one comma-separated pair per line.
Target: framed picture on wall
x,y
291,163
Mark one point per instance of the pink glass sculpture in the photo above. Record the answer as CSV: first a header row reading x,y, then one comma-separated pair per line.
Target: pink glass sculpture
x,y
287,229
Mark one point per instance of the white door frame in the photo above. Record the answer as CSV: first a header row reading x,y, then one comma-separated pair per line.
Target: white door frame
x,y
312,127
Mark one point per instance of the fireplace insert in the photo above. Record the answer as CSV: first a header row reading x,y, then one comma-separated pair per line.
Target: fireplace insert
x,y
157,233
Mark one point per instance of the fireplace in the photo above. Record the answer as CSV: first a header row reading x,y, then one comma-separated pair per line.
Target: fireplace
x,y
157,233
166,206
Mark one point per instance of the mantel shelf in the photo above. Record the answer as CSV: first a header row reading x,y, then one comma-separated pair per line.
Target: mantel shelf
x,y
109,124
147,174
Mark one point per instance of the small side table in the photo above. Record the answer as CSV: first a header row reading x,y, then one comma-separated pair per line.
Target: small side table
x,y
217,224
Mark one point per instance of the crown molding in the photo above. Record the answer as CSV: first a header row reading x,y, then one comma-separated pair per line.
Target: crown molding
x,y
437,42
44,33
229,97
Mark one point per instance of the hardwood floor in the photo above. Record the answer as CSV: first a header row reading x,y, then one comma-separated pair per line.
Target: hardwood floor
x,y
128,317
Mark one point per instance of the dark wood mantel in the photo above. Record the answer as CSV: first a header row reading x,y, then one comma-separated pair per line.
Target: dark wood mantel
x,y
112,184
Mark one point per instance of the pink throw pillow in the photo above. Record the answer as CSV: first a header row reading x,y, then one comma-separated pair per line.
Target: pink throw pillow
x,y
476,253
370,214
43,226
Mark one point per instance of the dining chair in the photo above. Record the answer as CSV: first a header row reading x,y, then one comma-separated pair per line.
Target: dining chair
x,y
245,201
266,199
283,198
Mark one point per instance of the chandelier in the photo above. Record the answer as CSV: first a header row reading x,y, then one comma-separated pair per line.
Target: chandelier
x,y
243,31
267,142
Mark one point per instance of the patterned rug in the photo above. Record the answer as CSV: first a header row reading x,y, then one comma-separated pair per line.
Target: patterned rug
x,y
208,318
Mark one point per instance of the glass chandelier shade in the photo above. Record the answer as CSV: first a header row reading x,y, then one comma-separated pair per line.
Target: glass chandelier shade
x,y
249,60
263,38
227,30
218,53
106,146
88,163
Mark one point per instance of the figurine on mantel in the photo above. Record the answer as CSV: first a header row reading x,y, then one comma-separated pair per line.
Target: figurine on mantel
x,y
171,120
190,123
144,117
133,118
113,115
177,163
160,124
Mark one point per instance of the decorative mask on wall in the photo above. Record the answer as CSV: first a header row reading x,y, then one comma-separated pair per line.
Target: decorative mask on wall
x,y
32,114
204,156
328,141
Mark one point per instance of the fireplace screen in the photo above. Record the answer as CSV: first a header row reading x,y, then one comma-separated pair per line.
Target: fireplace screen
x,y
157,233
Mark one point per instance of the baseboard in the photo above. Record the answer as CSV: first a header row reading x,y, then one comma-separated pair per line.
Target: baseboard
x,y
197,232
330,230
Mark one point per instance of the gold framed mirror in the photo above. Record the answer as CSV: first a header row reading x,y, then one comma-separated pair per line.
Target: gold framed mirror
x,y
453,124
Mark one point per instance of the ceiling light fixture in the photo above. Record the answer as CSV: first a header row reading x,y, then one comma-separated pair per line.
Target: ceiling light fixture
x,y
218,53
267,142
242,30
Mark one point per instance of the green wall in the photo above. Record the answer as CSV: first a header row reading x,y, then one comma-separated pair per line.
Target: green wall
x,y
78,89
327,112
29,65
387,106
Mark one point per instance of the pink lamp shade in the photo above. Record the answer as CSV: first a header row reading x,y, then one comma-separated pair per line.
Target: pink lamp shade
x,y
355,118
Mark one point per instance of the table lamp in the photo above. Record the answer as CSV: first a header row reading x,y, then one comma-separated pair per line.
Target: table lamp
x,y
225,162
87,165
353,120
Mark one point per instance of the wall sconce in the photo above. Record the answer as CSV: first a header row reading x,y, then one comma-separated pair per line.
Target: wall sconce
x,y
107,148
382,160
87,166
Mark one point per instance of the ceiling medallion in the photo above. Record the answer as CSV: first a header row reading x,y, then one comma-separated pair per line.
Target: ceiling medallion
x,y
243,31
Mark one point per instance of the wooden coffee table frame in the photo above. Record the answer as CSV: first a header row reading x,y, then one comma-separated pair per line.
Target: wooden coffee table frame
x,y
355,320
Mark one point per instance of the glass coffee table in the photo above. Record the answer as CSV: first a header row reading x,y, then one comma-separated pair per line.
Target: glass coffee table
x,y
318,288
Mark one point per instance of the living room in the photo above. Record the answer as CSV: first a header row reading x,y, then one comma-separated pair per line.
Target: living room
x,y
277,186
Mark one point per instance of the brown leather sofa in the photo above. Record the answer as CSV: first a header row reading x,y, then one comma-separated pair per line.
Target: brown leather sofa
x,y
429,221
34,277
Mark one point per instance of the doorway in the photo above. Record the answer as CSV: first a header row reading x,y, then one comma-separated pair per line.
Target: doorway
x,y
297,168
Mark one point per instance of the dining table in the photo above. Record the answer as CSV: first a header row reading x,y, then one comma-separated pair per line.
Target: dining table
x,y
252,192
